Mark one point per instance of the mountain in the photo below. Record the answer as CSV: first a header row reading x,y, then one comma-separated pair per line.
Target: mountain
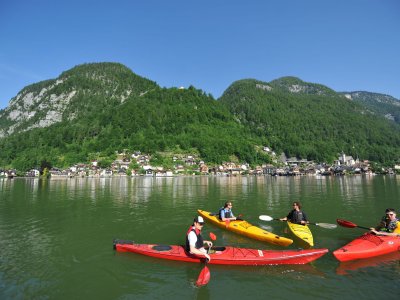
x,y
93,110
381,104
84,90
311,121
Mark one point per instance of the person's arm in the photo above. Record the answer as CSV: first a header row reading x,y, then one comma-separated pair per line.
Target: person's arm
x,y
196,251
305,219
379,226
288,217
192,244
385,233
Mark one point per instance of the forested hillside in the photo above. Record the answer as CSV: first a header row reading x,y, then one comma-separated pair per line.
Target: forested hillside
x,y
311,121
94,110
97,122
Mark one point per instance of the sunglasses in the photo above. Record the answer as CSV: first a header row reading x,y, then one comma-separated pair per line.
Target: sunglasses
x,y
201,224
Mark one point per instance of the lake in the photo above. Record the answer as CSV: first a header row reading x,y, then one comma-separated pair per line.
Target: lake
x,y
56,237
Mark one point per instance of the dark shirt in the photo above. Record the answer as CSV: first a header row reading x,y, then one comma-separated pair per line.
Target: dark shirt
x,y
295,216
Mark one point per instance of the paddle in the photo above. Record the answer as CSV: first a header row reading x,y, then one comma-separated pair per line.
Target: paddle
x,y
213,236
349,224
204,276
227,222
323,225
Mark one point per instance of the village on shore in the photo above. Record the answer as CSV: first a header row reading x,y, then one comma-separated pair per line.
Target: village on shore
x,y
138,164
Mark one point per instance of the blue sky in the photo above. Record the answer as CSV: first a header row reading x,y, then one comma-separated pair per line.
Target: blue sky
x,y
347,45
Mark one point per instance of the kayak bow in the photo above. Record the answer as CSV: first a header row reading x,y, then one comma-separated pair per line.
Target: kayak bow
x,y
368,245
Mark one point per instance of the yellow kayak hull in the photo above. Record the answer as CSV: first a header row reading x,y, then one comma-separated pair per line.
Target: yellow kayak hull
x,y
303,233
245,228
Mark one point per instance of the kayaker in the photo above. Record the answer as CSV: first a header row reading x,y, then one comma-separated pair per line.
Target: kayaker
x,y
296,215
389,224
194,241
225,213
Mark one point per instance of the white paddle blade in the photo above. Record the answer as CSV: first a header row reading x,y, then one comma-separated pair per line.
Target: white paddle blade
x,y
265,218
327,225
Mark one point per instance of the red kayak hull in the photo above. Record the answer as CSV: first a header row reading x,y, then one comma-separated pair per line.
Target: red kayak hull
x,y
224,255
366,246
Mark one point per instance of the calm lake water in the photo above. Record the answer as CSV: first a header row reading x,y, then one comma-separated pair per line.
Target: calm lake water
x,y
56,237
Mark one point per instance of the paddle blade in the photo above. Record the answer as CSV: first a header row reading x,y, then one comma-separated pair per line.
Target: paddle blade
x,y
265,218
326,225
204,277
345,223
213,236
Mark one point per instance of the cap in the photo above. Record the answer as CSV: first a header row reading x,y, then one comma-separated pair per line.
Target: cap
x,y
198,219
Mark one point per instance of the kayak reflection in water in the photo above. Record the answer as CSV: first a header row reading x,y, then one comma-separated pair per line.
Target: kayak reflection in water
x,y
296,215
389,224
194,241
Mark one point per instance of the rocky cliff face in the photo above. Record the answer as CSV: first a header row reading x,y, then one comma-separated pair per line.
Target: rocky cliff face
x,y
380,104
31,109
79,91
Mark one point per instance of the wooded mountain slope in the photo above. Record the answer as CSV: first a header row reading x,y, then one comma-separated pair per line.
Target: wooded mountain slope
x,y
94,110
309,120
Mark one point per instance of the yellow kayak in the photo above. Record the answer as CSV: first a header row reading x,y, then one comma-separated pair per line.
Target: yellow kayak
x,y
245,228
303,232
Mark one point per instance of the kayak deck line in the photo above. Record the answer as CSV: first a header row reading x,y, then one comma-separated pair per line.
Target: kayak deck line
x,y
373,238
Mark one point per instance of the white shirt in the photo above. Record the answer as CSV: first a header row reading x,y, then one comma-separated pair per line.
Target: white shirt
x,y
192,237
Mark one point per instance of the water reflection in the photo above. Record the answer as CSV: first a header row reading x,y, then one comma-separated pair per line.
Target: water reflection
x,y
55,235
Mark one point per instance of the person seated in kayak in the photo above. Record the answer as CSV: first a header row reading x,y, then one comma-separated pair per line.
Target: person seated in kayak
x,y
194,241
389,224
225,213
296,215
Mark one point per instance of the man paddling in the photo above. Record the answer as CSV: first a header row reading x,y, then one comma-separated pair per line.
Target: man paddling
x,y
389,225
194,241
296,215
225,213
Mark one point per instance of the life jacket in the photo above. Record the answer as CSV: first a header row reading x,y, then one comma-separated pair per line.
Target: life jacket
x,y
228,214
297,217
391,226
199,242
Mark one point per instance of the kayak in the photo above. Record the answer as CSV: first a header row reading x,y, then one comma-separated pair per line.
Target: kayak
x,y
245,228
223,255
303,233
368,245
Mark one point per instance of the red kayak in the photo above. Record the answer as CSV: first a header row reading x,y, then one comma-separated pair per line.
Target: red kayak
x,y
368,245
224,255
